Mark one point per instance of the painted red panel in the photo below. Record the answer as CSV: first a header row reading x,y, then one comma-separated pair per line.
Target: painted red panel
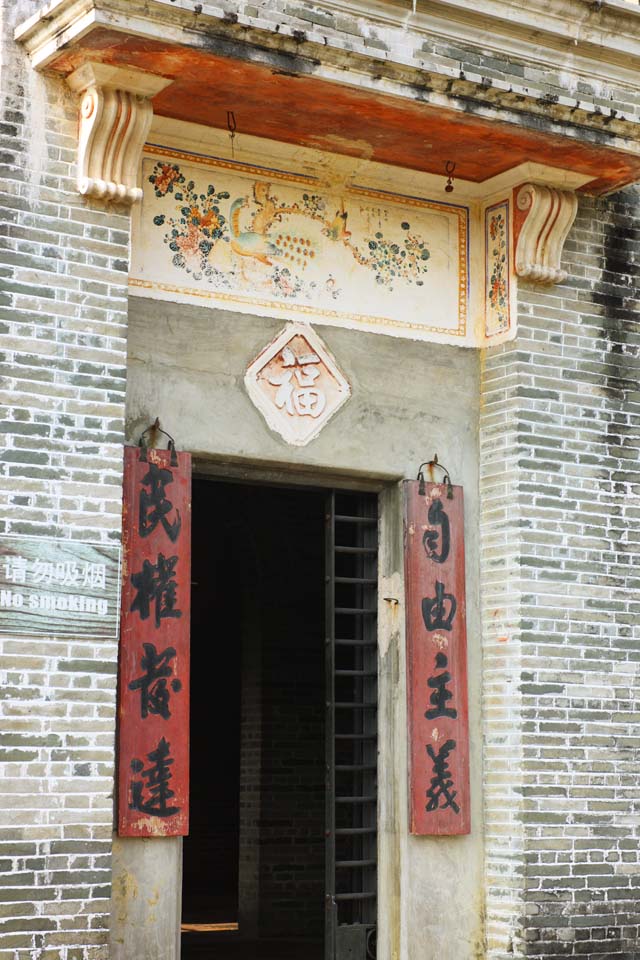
x,y
436,660
339,118
153,696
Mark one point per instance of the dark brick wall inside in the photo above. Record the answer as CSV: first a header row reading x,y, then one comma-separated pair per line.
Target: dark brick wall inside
x,y
289,550
257,712
292,772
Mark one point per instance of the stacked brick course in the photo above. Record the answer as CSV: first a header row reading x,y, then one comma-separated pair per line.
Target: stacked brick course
x,y
63,272
561,528
561,521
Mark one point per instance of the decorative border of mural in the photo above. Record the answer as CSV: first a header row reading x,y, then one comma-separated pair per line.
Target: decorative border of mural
x,y
303,311
497,269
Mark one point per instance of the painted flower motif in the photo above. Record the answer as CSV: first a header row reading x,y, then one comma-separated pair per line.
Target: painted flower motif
x,y
287,288
199,223
393,260
497,287
498,291
286,284
332,287
196,222
188,243
314,204
164,176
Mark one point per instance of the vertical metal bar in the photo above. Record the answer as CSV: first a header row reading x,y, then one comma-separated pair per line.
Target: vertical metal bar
x,y
370,719
354,569
330,775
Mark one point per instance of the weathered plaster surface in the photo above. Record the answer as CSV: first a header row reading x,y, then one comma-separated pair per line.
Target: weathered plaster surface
x,y
186,365
146,898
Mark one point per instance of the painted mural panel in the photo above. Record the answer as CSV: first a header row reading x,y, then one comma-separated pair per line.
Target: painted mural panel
x,y
497,267
283,244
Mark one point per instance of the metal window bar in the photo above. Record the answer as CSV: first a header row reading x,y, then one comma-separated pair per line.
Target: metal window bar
x,y
351,725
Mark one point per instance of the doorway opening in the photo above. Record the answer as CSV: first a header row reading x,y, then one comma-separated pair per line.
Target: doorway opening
x,y
281,850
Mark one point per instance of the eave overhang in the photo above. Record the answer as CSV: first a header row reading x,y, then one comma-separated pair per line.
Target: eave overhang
x,y
307,89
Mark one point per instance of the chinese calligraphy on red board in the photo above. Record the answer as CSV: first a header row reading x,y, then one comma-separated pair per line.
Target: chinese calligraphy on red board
x,y
153,732
436,660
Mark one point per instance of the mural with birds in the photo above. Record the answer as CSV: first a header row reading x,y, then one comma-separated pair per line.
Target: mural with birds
x,y
249,243
283,239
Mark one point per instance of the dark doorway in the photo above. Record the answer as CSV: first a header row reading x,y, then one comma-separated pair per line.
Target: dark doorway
x,y
254,862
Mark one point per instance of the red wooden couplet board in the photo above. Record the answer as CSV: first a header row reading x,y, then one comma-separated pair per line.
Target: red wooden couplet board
x,y
153,732
436,660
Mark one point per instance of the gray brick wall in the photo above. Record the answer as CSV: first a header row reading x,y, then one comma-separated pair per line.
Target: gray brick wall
x,y
561,534
63,270
559,444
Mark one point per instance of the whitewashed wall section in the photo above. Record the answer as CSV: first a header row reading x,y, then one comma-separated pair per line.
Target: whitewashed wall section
x,y
282,244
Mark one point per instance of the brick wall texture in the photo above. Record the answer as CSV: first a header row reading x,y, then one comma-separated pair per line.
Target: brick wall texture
x,y
560,435
63,270
282,764
560,431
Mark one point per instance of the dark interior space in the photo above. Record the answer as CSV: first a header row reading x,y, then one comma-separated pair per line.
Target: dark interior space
x,y
255,853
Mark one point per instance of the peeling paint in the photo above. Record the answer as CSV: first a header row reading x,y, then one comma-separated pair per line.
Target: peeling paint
x,y
124,890
391,611
309,110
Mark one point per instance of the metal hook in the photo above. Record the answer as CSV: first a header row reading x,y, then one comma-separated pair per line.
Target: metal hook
x,y
449,169
446,479
231,127
156,428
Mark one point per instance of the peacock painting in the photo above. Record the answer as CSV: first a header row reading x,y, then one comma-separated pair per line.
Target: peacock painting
x,y
277,242
286,234
250,243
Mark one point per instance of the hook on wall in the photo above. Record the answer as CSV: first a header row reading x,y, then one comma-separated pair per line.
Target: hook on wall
x,y
431,465
231,127
149,439
449,169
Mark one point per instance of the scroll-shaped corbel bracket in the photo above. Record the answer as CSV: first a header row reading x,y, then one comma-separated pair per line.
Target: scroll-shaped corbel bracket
x,y
115,116
549,215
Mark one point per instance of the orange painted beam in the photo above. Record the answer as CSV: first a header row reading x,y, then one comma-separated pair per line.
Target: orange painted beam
x,y
302,109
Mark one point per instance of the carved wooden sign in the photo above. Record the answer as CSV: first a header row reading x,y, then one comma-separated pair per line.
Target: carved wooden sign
x,y
436,660
153,733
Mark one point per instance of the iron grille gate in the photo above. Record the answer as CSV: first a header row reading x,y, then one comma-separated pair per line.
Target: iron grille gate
x,y
351,725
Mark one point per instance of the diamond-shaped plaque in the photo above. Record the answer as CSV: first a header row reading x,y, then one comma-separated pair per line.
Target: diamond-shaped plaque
x,y
296,384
